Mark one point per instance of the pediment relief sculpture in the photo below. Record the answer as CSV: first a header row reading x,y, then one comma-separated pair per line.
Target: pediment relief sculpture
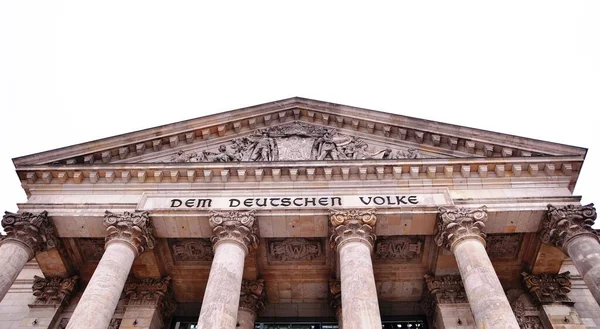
x,y
292,142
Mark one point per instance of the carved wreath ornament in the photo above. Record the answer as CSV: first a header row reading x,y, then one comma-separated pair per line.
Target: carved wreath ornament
x,y
457,224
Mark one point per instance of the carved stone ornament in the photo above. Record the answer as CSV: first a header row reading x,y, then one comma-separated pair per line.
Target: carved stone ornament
x,y
236,226
53,291
134,228
114,324
293,142
335,296
148,292
457,224
565,223
404,248
295,249
63,323
191,250
549,288
503,245
252,295
352,225
527,314
447,289
33,230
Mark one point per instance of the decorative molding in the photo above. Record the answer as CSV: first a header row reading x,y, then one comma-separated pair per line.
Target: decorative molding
x,y
237,226
457,224
447,289
148,292
548,288
335,297
191,250
134,228
53,291
295,142
562,224
352,225
503,245
400,247
252,295
527,314
32,230
295,249
91,249
114,324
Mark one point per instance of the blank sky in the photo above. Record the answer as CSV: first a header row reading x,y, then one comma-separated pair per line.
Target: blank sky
x,y
75,71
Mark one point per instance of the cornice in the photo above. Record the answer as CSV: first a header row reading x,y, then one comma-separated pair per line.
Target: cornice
x,y
199,130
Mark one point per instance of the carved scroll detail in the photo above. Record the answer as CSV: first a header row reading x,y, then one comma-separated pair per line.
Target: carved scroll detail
x,y
33,230
148,292
548,288
53,291
237,226
457,224
352,225
252,295
565,223
447,289
134,228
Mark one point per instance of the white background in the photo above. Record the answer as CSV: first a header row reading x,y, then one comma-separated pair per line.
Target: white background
x,y
75,71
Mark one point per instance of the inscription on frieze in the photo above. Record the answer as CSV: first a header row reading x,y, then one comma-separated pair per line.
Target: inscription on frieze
x,y
191,250
295,249
401,248
503,245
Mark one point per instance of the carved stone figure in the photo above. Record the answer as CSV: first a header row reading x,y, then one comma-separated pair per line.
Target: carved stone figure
x,y
325,147
33,230
183,156
548,288
264,148
53,291
564,223
295,249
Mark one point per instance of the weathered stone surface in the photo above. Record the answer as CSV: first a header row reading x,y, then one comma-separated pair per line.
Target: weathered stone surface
x,y
548,288
562,224
91,249
34,231
53,291
14,256
504,246
133,228
234,226
457,224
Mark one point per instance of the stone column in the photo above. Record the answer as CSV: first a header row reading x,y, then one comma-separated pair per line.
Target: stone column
x,y
128,236
26,235
446,303
335,301
353,238
252,298
570,229
149,303
234,235
461,230
52,296
551,292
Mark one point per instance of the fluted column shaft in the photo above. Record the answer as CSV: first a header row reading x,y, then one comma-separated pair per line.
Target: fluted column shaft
x,y
354,238
128,235
462,231
570,229
27,235
234,233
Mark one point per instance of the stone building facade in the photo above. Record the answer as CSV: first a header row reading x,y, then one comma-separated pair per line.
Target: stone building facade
x,y
302,214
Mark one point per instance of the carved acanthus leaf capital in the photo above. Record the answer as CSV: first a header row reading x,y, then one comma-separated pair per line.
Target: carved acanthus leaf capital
x,y
352,225
335,296
252,295
33,230
548,288
565,223
235,226
457,224
149,292
134,228
447,289
53,291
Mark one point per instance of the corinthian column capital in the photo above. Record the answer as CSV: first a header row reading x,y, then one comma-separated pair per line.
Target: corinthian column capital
x,y
53,291
252,295
549,288
234,226
562,224
335,297
35,231
352,225
457,224
149,292
133,228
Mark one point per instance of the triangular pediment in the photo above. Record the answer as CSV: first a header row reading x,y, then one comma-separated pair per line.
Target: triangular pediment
x,y
298,129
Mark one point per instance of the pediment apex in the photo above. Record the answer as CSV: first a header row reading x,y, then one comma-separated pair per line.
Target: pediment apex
x,y
434,139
